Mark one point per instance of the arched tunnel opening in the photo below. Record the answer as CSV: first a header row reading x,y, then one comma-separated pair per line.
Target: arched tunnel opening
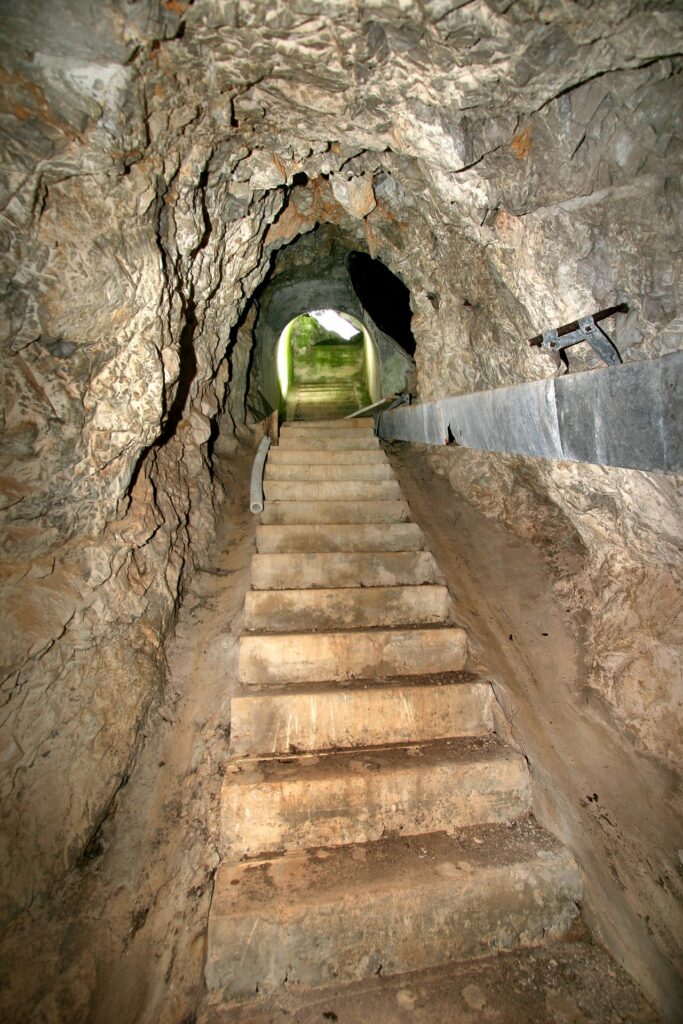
x,y
297,362
406,745
327,367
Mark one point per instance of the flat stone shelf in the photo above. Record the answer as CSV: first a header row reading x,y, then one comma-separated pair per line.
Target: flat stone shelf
x,y
278,571
346,537
345,607
355,796
550,984
350,654
313,513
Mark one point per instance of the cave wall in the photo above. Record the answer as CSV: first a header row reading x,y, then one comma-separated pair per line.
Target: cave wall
x,y
515,164
112,373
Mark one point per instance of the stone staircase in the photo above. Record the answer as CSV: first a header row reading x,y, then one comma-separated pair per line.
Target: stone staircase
x,y
323,401
373,822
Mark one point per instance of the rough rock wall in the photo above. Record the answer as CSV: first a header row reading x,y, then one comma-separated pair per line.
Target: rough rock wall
x,y
515,163
112,373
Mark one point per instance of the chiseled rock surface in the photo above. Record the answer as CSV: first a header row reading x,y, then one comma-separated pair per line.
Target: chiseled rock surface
x,y
515,164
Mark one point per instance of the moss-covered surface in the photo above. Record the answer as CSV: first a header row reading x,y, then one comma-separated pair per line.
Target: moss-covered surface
x,y
306,331
320,356
328,363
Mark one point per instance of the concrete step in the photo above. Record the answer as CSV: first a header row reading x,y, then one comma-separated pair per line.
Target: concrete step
x,y
322,385
318,917
323,457
299,513
329,404
314,472
345,607
556,983
330,442
360,715
343,569
335,537
331,407
357,796
307,433
358,423
267,660
331,490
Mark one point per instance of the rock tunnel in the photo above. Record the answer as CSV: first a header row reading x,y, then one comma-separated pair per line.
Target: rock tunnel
x,y
322,274
481,584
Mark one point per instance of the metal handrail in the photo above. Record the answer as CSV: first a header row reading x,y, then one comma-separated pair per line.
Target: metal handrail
x,y
395,399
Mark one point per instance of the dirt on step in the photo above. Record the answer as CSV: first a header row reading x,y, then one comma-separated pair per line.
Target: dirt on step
x,y
565,983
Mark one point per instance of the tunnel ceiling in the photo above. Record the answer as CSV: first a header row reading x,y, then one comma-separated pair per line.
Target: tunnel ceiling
x,y
217,132
310,273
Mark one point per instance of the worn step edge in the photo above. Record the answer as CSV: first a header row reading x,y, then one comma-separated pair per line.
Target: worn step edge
x,y
326,569
357,423
331,490
321,916
329,457
357,716
347,654
339,537
519,986
311,472
357,438
346,442
331,799
309,429
334,513
424,679
342,607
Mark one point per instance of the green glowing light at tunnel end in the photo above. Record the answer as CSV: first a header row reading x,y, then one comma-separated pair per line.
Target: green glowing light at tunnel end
x,y
283,359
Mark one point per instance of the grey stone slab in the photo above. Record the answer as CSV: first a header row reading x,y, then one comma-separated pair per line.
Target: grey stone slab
x,y
521,418
671,398
343,796
423,423
617,417
314,917
625,415
525,986
274,571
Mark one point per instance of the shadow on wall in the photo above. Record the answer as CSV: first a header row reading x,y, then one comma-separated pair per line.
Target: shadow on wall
x,y
385,298
187,372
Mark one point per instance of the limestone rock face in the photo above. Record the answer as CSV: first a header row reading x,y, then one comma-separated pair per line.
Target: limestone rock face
x,y
356,195
515,165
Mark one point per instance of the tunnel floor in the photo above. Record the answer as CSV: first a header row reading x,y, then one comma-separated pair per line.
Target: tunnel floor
x,y
376,823
131,929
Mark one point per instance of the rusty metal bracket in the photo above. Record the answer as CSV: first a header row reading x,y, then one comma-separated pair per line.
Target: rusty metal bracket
x,y
584,329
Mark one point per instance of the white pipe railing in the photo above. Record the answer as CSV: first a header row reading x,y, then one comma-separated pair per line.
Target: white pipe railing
x,y
256,489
